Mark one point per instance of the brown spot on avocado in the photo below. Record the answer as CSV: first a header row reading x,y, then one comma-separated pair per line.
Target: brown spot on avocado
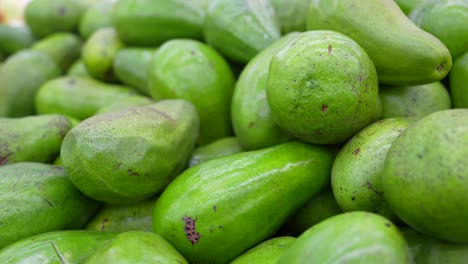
x,y
387,224
4,159
131,172
440,67
103,223
251,124
49,202
324,108
356,151
62,11
190,229
330,49
372,188
214,208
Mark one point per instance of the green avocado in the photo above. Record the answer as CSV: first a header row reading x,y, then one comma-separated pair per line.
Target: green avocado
x,y
403,54
316,210
427,250
153,22
447,20
63,48
357,170
130,155
36,198
292,14
267,252
32,138
78,97
126,102
414,101
213,212
21,75
137,247
425,180
45,17
123,218
251,114
99,52
408,5
78,69
192,70
131,67
97,16
322,87
217,149
239,29
14,39
58,247
352,238
459,82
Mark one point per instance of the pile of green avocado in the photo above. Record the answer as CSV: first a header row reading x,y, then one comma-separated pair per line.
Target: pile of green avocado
x,y
235,131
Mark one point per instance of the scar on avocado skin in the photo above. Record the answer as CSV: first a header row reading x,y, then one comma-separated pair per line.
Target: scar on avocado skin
x,y
356,151
330,49
189,228
103,223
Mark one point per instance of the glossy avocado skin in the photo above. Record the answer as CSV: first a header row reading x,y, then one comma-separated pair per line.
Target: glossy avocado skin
x,y
71,246
292,14
425,177
21,75
99,52
98,15
267,252
458,82
213,212
122,218
239,29
445,19
135,152
137,247
41,194
251,115
152,22
403,54
32,138
78,97
217,149
193,71
353,237
131,67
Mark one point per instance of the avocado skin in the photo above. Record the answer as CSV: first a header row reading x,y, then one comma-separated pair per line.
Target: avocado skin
x,y
403,54
32,138
131,67
459,82
216,149
353,237
14,38
136,152
98,15
267,252
233,203
21,75
425,177
137,247
41,194
78,97
251,115
153,22
63,48
239,29
71,246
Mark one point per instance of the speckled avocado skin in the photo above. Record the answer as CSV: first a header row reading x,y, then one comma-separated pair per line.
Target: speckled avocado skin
x,y
213,212
130,155
358,167
425,179
353,237
459,82
322,87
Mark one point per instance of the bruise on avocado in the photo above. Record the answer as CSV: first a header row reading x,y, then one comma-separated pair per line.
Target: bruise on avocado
x,y
190,224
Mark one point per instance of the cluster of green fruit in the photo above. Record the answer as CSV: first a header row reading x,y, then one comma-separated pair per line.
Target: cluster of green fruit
x,y
117,124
